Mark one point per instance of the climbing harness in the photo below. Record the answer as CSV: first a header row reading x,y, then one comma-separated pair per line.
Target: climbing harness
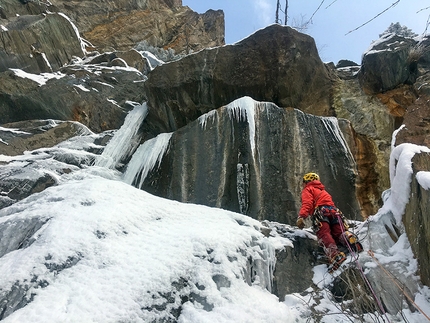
x,y
321,215
391,276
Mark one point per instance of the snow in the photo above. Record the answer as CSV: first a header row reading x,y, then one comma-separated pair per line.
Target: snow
x,y
81,87
14,130
41,78
130,245
423,179
400,177
109,252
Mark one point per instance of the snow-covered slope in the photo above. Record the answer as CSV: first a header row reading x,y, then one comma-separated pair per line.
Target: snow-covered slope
x,y
111,253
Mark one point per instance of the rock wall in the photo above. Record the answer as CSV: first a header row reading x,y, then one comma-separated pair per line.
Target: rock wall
x,y
121,24
276,64
249,157
117,25
39,43
373,125
416,218
96,96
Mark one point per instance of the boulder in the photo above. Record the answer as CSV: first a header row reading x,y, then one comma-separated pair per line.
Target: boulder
x,y
422,57
39,43
133,58
276,64
293,272
387,64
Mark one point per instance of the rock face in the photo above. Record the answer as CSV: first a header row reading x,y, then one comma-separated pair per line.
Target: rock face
x,y
276,64
291,261
30,135
41,39
22,179
249,157
121,24
182,30
39,43
395,72
416,219
388,64
370,143
96,96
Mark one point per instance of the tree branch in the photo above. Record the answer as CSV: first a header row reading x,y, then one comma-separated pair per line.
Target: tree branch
x,y
394,4
310,19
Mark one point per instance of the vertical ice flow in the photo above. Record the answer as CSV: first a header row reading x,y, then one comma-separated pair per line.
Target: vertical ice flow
x,y
145,158
243,109
122,142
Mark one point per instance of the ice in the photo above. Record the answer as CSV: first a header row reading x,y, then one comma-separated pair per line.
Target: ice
x,y
145,158
124,140
243,109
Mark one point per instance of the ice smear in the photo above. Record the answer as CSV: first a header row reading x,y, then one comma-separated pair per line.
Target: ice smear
x,y
82,43
124,141
332,126
145,158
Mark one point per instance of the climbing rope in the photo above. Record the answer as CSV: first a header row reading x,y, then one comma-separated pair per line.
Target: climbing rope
x,y
391,276
355,257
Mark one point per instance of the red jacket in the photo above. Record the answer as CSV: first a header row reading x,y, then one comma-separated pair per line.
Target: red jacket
x,y
314,195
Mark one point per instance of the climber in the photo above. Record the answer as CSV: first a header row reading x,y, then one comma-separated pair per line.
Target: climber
x,y
327,219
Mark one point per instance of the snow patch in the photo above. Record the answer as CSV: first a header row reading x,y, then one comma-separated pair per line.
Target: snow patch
x,y
41,79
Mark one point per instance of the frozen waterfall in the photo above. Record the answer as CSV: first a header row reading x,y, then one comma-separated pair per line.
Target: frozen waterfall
x,y
124,140
145,159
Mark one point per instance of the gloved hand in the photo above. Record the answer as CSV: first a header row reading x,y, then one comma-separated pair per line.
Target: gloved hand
x,y
300,223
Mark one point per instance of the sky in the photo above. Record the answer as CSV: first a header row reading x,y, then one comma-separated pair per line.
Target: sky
x,y
109,252
330,24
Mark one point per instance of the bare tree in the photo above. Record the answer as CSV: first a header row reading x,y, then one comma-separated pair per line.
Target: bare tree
x,y
286,13
278,6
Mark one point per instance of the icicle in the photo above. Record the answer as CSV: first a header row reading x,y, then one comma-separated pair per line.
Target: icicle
x,y
243,109
205,117
145,158
121,143
261,265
